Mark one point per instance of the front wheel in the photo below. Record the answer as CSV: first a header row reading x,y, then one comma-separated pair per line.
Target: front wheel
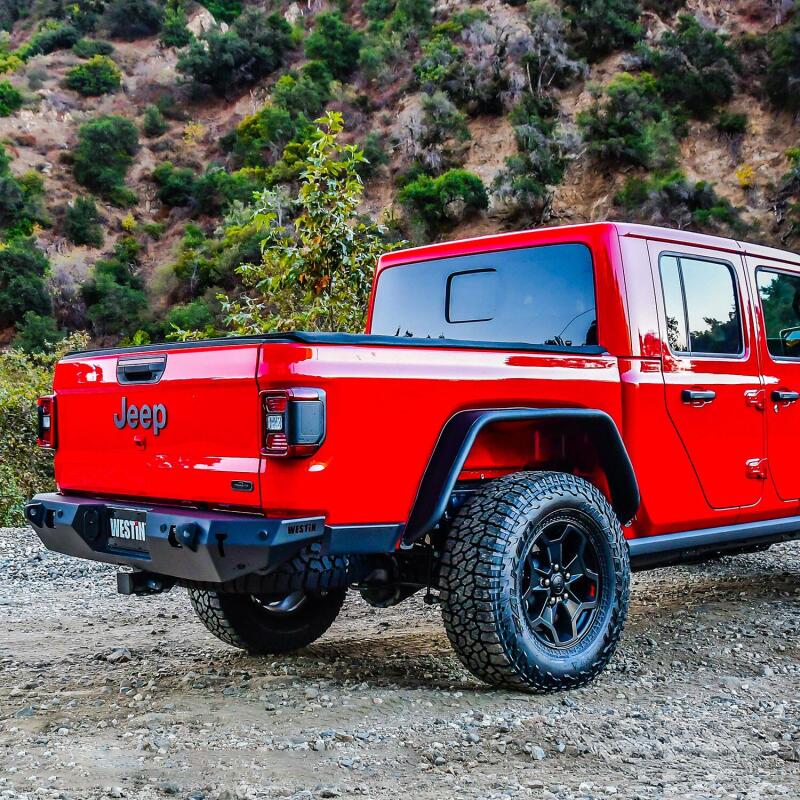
x,y
535,582
267,624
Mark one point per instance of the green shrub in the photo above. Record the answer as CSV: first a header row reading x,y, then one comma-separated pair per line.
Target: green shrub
x,y
631,124
85,15
335,43
437,143
601,26
224,10
523,186
731,123
153,123
23,268
25,468
672,200
196,315
176,186
10,99
82,223
87,48
694,66
20,201
99,75
38,333
114,293
50,37
132,19
411,16
174,32
788,196
302,94
253,47
475,81
375,155
435,203
105,151
208,193
783,73
549,60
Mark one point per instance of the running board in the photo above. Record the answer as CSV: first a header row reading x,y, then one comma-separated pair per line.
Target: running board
x,y
648,552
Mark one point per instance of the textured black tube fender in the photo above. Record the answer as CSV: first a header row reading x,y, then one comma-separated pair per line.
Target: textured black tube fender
x,y
461,431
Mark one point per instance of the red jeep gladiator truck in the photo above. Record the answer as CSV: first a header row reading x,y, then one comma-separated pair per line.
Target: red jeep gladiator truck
x,y
527,417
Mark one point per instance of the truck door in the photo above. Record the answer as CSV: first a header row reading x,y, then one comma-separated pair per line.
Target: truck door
x,y
712,382
778,290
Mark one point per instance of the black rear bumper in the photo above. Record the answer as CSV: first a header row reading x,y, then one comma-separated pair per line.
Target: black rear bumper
x,y
182,543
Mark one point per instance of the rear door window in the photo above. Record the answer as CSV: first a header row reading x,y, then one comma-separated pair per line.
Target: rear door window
x,y
536,295
780,303
701,306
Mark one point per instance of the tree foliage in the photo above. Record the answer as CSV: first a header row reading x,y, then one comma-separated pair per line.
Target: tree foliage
x,y
82,222
25,468
316,267
253,47
335,43
23,268
99,75
600,27
105,151
783,73
630,124
132,19
694,66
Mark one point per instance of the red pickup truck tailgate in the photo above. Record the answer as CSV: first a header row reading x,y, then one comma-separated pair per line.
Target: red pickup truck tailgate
x,y
189,433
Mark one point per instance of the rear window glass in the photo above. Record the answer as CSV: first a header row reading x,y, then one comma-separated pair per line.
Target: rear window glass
x,y
536,295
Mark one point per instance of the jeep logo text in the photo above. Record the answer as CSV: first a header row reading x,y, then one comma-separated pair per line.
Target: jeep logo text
x,y
133,416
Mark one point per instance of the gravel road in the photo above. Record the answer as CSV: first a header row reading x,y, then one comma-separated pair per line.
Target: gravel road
x,y
106,696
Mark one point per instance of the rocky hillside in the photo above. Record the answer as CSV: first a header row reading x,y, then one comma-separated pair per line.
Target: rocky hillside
x,y
135,133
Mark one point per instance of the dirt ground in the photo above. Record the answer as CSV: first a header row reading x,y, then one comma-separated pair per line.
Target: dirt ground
x,y
107,696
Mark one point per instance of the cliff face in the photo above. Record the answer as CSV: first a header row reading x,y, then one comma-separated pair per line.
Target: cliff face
x,y
747,168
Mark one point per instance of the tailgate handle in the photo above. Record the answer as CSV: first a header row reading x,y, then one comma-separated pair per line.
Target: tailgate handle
x,y
141,370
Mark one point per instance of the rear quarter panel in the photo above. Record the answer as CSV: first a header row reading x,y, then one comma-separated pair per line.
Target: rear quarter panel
x,y
387,406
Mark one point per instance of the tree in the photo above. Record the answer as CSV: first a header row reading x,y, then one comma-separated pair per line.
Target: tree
x,y
334,42
601,26
783,74
174,32
23,268
25,468
253,47
99,75
133,19
82,223
105,151
10,99
631,125
315,271
694,66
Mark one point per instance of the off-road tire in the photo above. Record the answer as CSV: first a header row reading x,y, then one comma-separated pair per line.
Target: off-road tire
x,y
242,620
483,613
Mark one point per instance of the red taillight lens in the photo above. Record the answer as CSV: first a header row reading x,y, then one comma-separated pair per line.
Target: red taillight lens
x,y
294,422
46,421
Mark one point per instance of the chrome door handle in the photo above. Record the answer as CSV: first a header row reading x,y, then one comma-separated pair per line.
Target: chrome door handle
x,y
695,396
783,396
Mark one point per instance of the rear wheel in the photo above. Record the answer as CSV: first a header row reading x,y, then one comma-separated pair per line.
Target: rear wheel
x,y
535,582
267,624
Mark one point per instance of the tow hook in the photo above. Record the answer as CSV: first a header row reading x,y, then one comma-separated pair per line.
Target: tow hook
x,y
141,583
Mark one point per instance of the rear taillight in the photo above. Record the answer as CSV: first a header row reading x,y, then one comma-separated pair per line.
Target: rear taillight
x,y
46,423
294,422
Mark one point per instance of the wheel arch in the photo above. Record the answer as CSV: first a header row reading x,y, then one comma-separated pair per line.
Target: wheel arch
x,y
461,431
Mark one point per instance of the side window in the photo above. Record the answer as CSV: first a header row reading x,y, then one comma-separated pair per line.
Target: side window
x,y
702,310
780,305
